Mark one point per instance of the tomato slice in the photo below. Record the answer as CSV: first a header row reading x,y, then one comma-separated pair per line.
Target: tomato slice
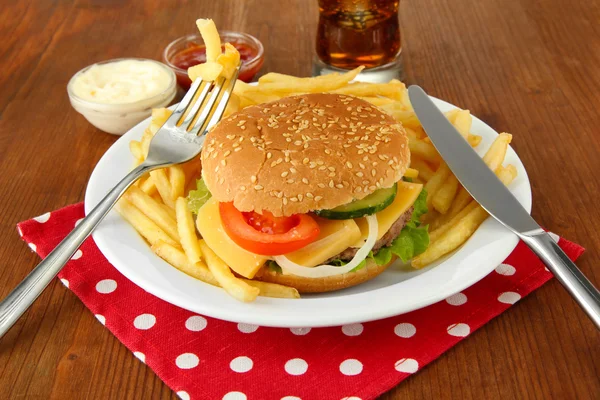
x,y
266,234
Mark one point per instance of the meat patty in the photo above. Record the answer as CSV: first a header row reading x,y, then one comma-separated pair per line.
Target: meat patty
x,y
385,240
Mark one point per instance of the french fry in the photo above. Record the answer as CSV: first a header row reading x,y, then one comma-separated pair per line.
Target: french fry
x,y
411,133
405,100
411,173
209,71
232,285
146,139
444,196
474,140
232,106
462,122
153,210
458,233
305,85
187,231
230,59
425,171
179,260
424,150
268,289
159,176
436,182
451,115
408,118
211,38
438,231
390,90
135,148
160,115
377,101
177,180
144,225
148,186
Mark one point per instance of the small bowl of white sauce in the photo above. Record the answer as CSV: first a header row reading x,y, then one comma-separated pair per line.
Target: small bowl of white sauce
x,y
115,95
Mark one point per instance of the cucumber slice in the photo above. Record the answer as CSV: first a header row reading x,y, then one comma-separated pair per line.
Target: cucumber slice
x,y
376,201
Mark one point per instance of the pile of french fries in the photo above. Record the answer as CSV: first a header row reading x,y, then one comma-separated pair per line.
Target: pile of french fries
x,y
156,204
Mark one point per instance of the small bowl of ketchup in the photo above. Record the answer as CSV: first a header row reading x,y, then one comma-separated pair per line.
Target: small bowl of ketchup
x,y
189,50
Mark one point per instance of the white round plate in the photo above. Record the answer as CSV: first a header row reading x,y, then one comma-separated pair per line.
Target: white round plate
x,y
398,290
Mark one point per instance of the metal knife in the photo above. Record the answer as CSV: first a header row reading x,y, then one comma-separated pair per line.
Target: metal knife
x,y
497,200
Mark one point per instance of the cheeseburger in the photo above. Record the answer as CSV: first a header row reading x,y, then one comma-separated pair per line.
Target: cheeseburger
x,y
308,191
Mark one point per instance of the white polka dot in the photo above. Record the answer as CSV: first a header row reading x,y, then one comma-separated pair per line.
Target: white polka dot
x,y
144,321
241,364
183,395
457,299
247,328
296,366
291,398
460,330
554,236
351,398
300,331
353,329
407,365
405,330
509,297
505,269
101,319
195,323
140,356
20,231
77,255
43,218
235,396
32,246
187,361
351,367
78,222
106,286
64,282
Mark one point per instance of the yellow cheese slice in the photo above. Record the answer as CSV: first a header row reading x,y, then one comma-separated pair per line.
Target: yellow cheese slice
x,y
335,237
405,197
210,227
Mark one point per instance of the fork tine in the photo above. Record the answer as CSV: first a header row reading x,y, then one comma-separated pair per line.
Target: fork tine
x,y
189,118
219,109
185,102
216,117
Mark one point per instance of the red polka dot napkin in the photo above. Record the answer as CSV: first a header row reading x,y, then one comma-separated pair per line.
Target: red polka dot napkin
x,y
205,358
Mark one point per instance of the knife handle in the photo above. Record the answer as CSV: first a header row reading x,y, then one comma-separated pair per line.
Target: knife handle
x,y
567,273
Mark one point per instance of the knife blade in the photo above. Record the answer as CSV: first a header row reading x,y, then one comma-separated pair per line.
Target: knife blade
x,y
485,187
481,182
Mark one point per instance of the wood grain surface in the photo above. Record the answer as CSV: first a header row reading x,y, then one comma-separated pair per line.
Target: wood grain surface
x,y
529,67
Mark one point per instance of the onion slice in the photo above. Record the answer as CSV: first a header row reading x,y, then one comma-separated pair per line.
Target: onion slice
x,y
289,267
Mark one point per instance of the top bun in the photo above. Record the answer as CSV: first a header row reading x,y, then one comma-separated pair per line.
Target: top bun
x,y
303,153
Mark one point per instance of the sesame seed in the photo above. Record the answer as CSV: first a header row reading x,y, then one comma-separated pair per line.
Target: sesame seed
x,y
284,174
309,195
305,181
279,195
331,174
228,152
253,178
293,170
332,169
361,165
290,181
258,187
242,188
365,182
300,197
318,198
331,183
359,174
339,186
358,189
321,185
372,187
373,172
285,201
322,168
269,155
242,127
237,149
305,161
223,162
294,199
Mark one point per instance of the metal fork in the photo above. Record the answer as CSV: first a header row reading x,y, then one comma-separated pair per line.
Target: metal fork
x,y
175,142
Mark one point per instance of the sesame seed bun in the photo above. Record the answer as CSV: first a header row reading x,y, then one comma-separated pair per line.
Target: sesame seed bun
x,y
303,153
327,284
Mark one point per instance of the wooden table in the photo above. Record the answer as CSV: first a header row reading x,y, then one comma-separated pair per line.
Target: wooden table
x,y
527,67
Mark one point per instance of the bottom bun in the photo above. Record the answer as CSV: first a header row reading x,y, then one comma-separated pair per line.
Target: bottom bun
x,y
327,284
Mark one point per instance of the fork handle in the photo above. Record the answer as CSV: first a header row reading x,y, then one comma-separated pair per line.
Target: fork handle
x,y
567,273
19,300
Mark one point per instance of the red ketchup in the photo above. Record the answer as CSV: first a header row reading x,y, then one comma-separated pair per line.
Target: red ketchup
x,y
195,54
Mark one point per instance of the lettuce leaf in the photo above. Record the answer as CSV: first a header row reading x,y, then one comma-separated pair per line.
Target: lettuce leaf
x,y
197,198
